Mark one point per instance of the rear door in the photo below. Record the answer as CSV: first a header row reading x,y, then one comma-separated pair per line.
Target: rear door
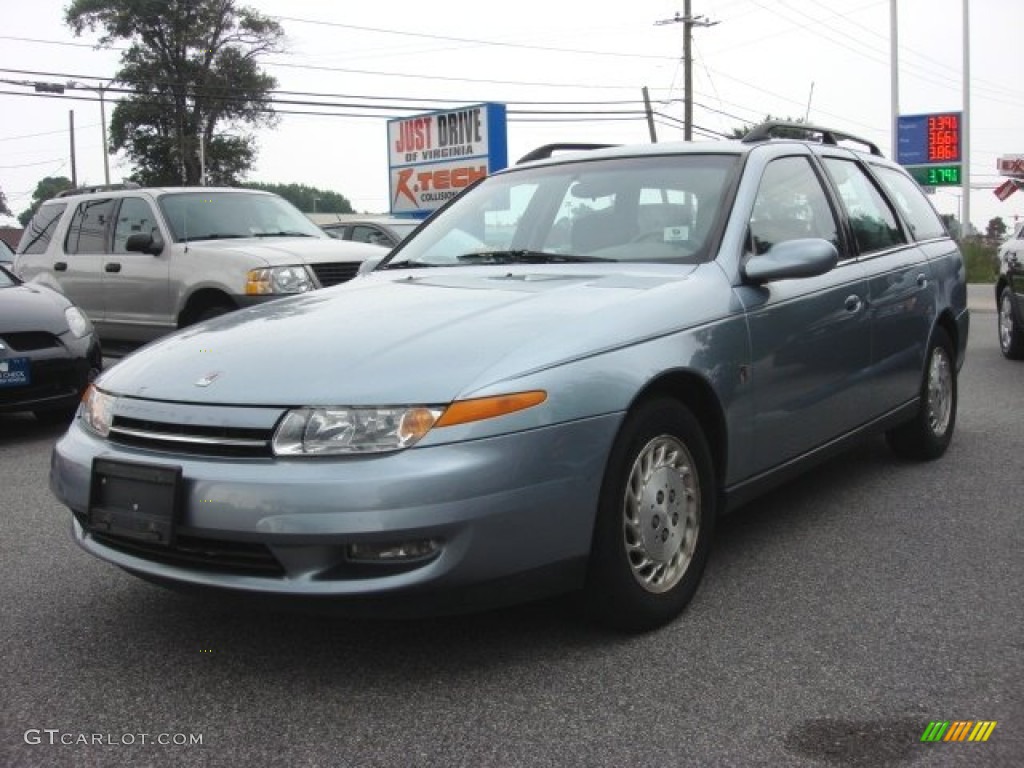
x,y
901,299
78,264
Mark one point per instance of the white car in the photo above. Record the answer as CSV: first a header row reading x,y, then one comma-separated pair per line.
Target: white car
x,y
144,262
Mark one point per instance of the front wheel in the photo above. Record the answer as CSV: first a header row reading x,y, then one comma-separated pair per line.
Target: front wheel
x,y
655,519
1011,335
928,434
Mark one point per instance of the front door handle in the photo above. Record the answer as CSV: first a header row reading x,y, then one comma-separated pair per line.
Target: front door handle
x,y
112,266
853,303
60,266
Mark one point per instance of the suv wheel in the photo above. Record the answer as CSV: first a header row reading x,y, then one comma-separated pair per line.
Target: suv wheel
x,y
1011,335
655,519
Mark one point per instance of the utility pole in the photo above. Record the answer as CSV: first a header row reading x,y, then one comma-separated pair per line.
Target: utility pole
x,y
689,21
71,130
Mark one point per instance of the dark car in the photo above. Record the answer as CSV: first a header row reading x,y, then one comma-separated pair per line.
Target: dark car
x,y
388,231
48,351
1010,295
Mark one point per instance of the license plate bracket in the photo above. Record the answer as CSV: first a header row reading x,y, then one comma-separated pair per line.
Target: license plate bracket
x,y
135,500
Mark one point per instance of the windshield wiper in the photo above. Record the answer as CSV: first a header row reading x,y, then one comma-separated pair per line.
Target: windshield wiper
x,y
408,264
283,234
215,236
524,257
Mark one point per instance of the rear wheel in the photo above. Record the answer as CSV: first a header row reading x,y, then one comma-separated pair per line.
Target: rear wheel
x,y
928,434
655,519
1011,335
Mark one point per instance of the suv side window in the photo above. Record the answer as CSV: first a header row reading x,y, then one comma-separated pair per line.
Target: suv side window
x,y
40,229
87,232
791,204
135,217
874,223
922,219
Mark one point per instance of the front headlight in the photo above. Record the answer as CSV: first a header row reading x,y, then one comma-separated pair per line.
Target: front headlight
x,y
332,431
98,410
271,280
78,323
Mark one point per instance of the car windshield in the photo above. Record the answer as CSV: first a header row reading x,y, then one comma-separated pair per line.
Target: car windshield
x,y
639,209
219,215
6,280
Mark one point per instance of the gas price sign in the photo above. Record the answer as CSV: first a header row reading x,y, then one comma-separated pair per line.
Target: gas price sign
x,y
930,146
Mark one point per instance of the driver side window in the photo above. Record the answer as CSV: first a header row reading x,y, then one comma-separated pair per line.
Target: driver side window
x,y
791,204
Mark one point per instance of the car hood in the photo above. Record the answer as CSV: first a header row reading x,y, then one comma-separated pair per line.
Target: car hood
x,y
29,307
414,336
280,251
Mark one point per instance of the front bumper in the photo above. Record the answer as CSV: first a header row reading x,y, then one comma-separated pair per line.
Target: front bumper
x,y
514,508
59,374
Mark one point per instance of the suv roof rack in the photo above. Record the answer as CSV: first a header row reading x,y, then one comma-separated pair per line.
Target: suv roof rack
x,y
98,188
544,152
765,131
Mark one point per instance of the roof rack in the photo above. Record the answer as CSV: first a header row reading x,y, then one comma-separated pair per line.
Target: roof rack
x,y
98,188
765,131
542,153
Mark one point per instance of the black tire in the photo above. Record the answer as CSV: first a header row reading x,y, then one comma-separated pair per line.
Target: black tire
x,y
652,537
927,435
212,311
1011,334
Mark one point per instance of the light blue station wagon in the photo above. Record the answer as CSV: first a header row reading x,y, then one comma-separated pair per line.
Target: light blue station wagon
x,y
556,385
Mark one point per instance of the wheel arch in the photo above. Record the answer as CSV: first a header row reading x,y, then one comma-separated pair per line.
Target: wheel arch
x,y
696,393
201,300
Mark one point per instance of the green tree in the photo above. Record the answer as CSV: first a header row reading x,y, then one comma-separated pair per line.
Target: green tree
x,y
306,198
996,228
193,81
952,224
782,133
5,209
45,189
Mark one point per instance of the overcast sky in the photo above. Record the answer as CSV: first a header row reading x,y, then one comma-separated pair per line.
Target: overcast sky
x,y
827,60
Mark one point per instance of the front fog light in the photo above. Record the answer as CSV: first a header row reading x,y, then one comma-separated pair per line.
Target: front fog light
x,y
389,552
98,410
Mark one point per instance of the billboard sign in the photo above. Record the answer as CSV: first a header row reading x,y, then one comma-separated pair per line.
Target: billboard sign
x,y
434,156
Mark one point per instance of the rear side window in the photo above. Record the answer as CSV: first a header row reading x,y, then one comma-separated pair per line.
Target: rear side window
x,y
87,232
40,229
874,223
924,223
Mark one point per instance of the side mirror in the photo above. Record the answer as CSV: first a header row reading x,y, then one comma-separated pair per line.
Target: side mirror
x,y
805,257
145,243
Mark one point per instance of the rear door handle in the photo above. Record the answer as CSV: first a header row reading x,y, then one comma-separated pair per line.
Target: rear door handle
x,y
853,303
60,266
112,266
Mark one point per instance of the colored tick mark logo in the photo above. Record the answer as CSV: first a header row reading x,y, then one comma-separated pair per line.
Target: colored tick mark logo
x,y
959,730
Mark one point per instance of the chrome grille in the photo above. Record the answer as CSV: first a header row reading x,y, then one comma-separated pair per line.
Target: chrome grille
x,y
335,273
199,439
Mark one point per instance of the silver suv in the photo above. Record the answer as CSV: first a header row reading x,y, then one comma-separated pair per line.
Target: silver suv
x,y
144,262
